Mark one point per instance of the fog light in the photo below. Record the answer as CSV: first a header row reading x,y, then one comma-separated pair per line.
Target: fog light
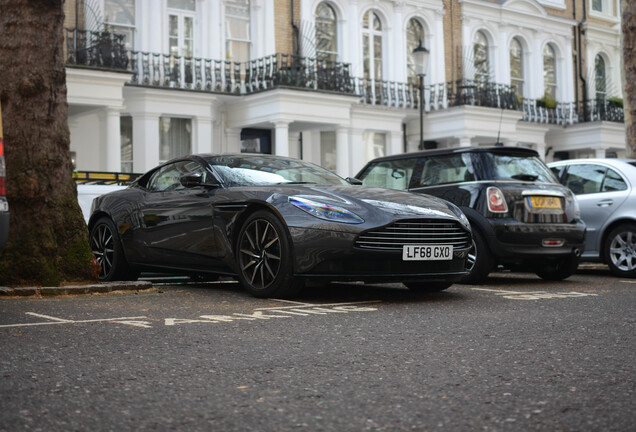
x,y
552,242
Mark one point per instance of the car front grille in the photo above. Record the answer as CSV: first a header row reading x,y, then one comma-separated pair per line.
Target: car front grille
x,y
414,232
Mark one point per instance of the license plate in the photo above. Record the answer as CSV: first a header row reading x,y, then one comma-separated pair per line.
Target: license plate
x,y
544,202
427,252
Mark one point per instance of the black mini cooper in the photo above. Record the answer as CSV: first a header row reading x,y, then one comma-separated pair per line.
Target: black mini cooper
x,y
521,217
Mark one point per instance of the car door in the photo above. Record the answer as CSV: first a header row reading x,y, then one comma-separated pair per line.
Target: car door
x,y
599,191
177,226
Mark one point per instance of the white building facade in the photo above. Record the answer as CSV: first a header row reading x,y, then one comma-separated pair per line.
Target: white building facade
x,y
196,76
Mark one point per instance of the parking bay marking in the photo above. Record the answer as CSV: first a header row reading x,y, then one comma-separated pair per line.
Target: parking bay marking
x,y
132,321
535,295
297,309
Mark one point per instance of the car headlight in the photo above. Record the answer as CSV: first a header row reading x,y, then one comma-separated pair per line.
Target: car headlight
x,y
326,211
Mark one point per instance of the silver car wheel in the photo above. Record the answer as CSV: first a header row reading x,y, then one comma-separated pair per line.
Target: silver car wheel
x,y
622,251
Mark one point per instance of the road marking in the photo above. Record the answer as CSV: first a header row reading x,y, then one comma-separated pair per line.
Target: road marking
x,y
58,321
298,310
534,295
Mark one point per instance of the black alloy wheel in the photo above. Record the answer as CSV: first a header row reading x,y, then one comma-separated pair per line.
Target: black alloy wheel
x,y
264,257
106,247
479,262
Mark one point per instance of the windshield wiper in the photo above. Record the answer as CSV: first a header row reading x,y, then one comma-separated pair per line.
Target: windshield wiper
x,y
525,177
296,182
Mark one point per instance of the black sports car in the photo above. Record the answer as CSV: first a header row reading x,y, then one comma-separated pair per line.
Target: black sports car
x,y
272,223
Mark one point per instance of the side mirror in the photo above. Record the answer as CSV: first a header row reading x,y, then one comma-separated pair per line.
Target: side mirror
x,y
354,181
196,180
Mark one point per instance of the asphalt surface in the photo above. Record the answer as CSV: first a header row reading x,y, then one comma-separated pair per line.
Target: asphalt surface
x,y
517,353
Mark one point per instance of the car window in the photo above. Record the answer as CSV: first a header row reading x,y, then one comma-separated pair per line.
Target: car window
x,y
525,168
395,174
585,178
168,177
445,169
613,182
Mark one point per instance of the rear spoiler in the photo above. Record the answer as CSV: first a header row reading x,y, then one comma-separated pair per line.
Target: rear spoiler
x,y
104,178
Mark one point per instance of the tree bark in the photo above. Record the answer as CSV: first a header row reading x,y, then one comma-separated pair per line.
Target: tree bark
x,y
48,239
629,68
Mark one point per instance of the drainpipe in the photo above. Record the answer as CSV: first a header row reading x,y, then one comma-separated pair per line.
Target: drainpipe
x,y
296,30
580,58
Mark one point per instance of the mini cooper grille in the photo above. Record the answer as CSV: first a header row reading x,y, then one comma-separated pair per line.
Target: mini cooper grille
x,y
419,232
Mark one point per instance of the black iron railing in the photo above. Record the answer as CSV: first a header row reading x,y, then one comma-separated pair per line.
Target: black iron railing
x,y
107,50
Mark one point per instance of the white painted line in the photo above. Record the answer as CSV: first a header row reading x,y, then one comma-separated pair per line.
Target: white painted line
x,y
535,295
629,281
122,319
47,317
313,305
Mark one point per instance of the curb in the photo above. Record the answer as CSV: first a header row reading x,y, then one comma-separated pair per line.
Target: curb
x,y
100,288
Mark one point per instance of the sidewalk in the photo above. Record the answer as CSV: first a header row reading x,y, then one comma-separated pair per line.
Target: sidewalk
x,y
97,288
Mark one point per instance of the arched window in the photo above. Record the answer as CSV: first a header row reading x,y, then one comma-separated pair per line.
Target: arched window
x,y
600,78
326,33
480,56
516,66
372,46
549,72
414,35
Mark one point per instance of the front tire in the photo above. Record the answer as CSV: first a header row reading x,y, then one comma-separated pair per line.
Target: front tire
x,y
480,261
620,250
264,257
107,249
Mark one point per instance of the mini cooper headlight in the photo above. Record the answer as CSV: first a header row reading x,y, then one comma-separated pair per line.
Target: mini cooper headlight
x,y
325,211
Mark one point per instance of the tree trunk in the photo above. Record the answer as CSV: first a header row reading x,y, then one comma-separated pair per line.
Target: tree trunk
x,y
629,68
48,239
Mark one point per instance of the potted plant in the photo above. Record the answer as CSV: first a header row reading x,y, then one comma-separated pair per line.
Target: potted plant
x,y
547,101
615,102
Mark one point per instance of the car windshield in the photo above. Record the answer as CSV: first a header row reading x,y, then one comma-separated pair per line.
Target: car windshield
x,y
254,170
515,167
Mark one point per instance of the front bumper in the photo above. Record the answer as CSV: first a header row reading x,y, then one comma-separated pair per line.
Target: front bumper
x,y
332,255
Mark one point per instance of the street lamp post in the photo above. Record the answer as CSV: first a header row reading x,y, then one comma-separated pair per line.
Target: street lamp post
x,y
420,57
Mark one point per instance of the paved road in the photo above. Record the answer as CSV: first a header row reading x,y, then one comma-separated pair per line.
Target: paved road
x,y
517,353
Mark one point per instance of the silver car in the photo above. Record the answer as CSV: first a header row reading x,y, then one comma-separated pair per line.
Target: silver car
x,y
606,192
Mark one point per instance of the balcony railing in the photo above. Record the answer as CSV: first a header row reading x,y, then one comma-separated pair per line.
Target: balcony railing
x,y
107,50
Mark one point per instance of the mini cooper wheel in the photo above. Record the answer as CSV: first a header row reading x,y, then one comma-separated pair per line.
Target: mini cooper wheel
x,y
424,286
264,257
479,262
620,250
559,269
106,246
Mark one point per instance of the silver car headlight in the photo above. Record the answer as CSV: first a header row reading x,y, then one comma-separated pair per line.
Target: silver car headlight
x,y
325,211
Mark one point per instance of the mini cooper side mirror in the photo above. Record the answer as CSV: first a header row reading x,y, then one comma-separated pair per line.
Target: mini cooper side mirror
x,y
354,181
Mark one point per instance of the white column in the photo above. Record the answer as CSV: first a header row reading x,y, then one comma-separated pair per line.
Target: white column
x,y
599,153
437,67
145,141
342,152
311,146
111,149
233,141
281,146
357,151
294,145
395,145
202,142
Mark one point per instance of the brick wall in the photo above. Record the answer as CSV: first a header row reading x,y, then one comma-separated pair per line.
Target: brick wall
x,y
285,36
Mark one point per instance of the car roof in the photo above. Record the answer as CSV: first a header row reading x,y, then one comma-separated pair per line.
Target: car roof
x,y
522,151
608,161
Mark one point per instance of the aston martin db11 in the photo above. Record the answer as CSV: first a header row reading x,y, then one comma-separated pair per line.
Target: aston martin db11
x,y
274,223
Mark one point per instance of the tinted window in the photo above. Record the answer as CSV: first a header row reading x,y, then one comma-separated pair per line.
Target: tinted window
x,y
613,182
168,177
256,170
585,179
394,174
507,167
445,169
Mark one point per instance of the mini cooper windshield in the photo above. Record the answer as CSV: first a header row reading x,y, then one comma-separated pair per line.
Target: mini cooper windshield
x,y
254,170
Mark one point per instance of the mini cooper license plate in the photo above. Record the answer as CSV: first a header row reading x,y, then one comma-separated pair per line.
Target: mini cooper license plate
x,y
427,252
544,202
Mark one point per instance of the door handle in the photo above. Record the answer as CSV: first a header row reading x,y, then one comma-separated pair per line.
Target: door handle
x,y
605,203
